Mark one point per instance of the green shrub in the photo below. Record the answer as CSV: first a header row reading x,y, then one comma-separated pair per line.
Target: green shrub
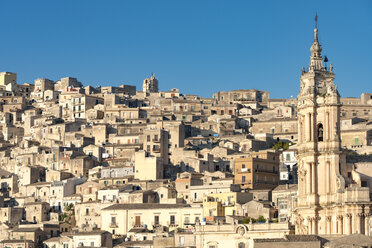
x,y
261,219
246,220
281,145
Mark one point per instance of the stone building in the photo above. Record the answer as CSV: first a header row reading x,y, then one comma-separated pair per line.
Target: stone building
x,y
258,171
120,218
37,212
7,78
331,199
147,167
150,85
242,96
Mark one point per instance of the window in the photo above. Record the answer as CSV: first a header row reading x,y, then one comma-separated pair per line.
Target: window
x,y
288,157
113,220
172,220
181,240
138,220
241,245
243,165
156,220
243,179
320,132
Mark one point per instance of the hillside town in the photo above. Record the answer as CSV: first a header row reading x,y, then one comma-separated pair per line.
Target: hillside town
x,y
117,166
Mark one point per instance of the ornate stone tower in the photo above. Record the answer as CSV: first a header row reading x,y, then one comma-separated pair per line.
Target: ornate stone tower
x,y
330,198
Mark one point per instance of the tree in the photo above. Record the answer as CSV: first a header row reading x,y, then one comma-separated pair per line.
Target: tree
x,y
246,220
261,219
281,145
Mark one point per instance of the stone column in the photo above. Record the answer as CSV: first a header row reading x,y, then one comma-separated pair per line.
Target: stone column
x,y
311,127
366,223
326,127
316,220
328,177
300,132
309,186
348,229
307,127
366,213
328,225
339,224
359,217
313,177
310,225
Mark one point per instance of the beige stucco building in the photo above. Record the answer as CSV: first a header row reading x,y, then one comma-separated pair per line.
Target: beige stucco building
x,y
120,218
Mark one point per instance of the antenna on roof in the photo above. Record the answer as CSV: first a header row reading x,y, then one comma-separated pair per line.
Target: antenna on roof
x,y
316,20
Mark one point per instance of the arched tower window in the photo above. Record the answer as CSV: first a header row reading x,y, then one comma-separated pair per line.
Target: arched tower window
x,y
320,132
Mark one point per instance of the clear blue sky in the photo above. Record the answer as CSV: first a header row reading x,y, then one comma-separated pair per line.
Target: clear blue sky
x,y
200,47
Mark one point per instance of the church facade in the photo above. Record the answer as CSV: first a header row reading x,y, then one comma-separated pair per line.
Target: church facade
x,y
331,199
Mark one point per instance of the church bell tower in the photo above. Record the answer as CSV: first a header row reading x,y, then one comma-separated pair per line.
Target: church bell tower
x,y
324,177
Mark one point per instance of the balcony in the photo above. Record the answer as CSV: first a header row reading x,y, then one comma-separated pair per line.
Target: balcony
x,y
171,224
